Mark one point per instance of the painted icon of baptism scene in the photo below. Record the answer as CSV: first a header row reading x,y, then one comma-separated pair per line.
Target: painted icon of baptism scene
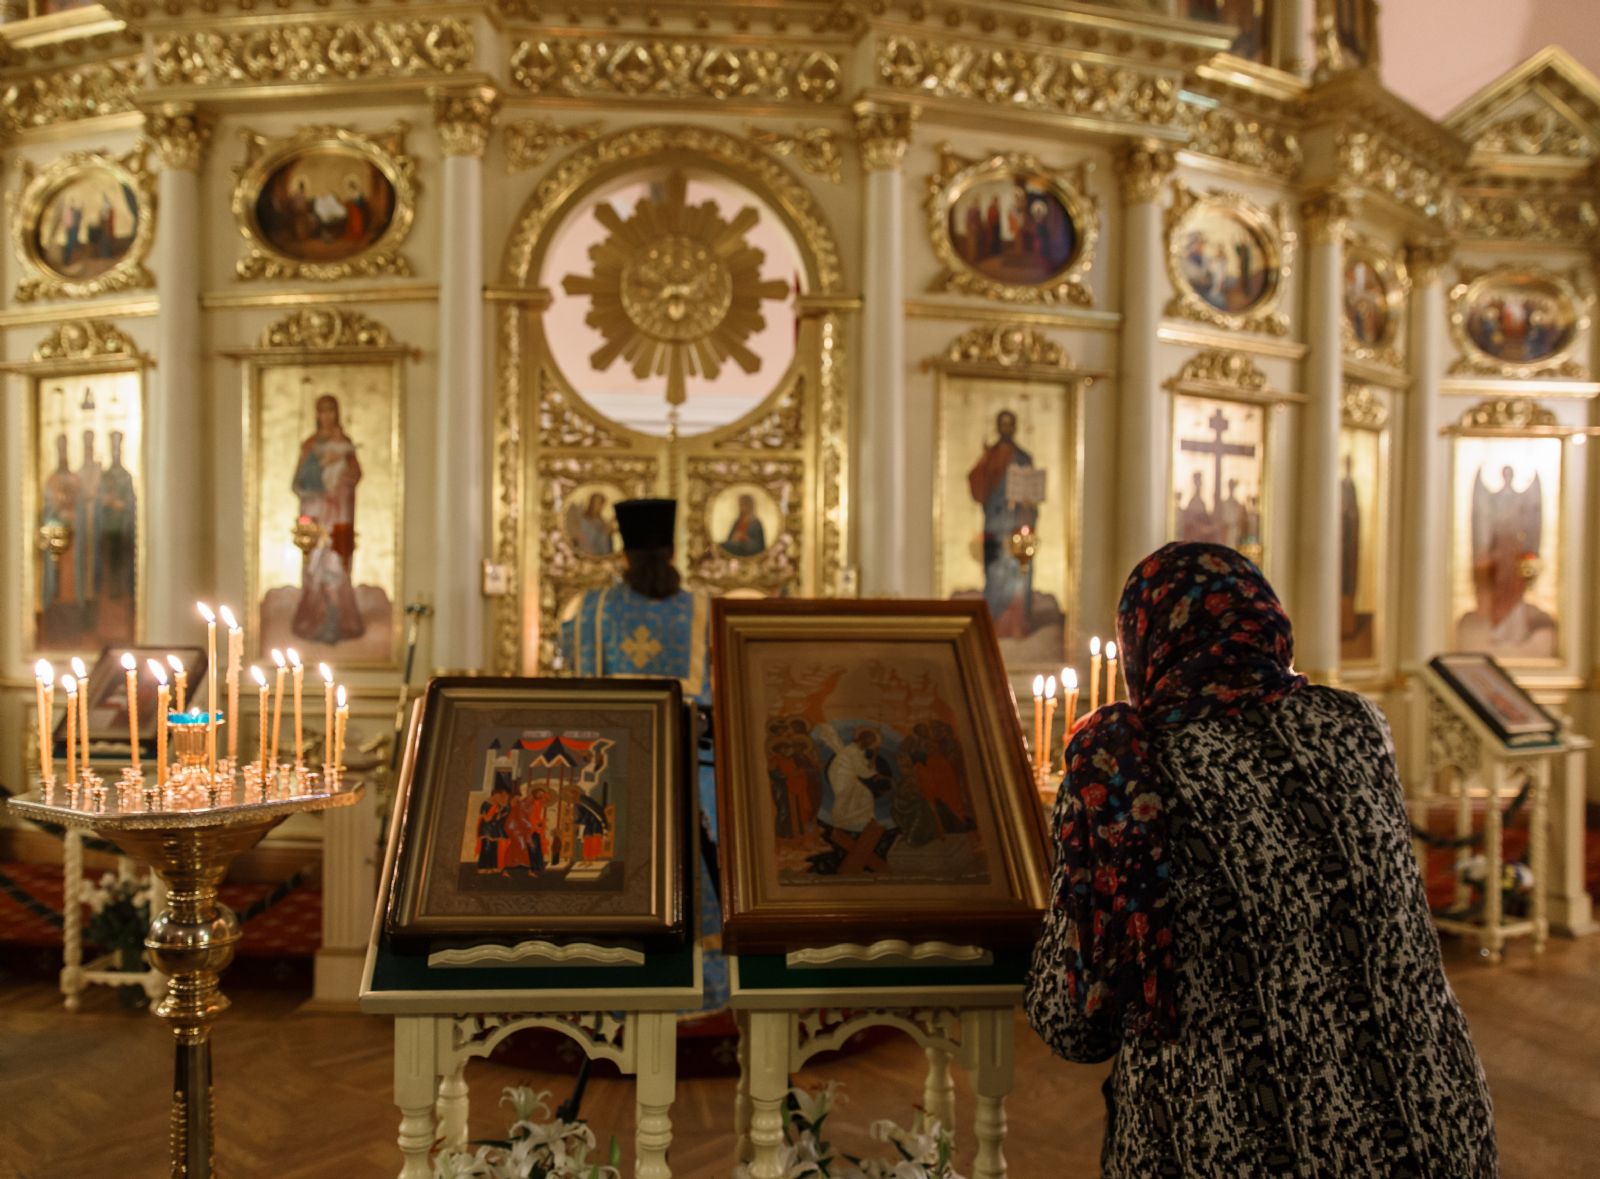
x,y
87,224
1013,229
1521,319
545,815
328,485
324,205
1216,467
1225,260
869,767
89,444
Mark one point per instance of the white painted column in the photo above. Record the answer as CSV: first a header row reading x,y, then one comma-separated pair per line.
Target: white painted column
x,y
460,534
884,500
177,460
1316,616
1424,484
1142,411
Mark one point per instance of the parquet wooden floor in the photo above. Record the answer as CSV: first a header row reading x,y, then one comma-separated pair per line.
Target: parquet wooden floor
x,y
306,1096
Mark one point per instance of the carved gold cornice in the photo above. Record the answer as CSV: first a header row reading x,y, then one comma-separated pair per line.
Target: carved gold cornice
x,y
464,118
1542,117
816,149
57,95
323,328
1224,133
1371,162
181,134
581,66
883,132
1142,167
1554,215
1507,413
313,52
530,142
1362,409
1219,368
1011,347
89,339
1426,258
1326,216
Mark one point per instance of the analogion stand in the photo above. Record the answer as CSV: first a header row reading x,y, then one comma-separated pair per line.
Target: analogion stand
x,y
957,1002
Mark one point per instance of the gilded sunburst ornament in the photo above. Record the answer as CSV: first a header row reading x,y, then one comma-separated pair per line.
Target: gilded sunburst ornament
x,y
676,290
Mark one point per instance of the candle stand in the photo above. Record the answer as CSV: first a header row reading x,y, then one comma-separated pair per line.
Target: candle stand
x,y
189,837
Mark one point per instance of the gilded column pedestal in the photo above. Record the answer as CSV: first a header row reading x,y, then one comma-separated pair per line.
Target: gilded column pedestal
x,y
463,118
177,464
884,132
1317,543
1425,543
1142,417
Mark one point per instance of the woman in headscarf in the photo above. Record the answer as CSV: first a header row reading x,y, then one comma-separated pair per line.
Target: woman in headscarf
x,y
1238,917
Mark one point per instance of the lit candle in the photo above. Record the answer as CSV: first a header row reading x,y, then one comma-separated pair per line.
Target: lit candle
x,y
1038,723
1069,685
277,703
44,682
327,712
131,666
1111,672
299,681
1049,723
180,682
235,660
1094,673
211,687
340,725
261,684
82,672
70,683
161,721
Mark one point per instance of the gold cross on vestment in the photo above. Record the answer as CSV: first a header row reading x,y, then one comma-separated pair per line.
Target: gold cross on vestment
x,y
642,647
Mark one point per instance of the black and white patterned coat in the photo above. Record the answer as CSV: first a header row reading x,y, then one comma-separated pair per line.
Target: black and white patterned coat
x,y
1317,1034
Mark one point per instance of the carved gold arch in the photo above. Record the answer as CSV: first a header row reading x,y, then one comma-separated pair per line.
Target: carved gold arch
x,y
551,445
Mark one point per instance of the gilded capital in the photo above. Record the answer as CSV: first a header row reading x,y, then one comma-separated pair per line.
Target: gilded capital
x,y
1426,259
181,134
1142,168
464,117
1326,217
883,131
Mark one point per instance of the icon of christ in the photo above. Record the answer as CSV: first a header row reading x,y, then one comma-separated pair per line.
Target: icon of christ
x,y
1007,584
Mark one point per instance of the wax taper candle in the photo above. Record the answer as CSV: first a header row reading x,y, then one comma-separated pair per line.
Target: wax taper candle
x,y
82,672
161,721
70,683
327,711
277,702
44,678
1069,686
261,684
339,730
1094,673
299,728
1038,722
130,665
180,682
211,687
1111,672
235,660
1049,723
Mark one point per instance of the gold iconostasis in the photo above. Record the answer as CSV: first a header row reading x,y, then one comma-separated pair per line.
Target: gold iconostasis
x,y
975,305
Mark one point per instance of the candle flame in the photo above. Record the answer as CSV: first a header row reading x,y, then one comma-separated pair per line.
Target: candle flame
x,y
294,657
1038,686
176,664
1050,688
228,619
78,669
1111,650
1069,679
129,663
70,684
158,671
205,612
277,656
1094,645
327,673
258,675
341,695
47,674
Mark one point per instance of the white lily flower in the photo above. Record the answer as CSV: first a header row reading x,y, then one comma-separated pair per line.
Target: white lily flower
x,y
524,1102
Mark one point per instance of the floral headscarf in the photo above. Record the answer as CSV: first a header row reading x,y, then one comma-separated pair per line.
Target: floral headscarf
x,y
1203,636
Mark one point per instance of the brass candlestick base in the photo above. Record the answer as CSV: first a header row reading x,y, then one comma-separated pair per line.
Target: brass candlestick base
x,y
192,940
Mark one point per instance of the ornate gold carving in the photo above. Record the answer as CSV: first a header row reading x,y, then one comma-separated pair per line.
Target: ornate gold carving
x,y
181,134
1572,289
1362,409
86,339
1541,131
1022,79
385,150
816,149
1277,240
83,91
463,118
584,67
639,146
1326,216
780,428
39,279
777,567
956,174
564,424
1371,161
1007,346
1426,259
1142,168
1396,286
1225,134
833,462
506,511
1219,370
1556,216
675,289
326,327
1507,413
310,52
1332,54
883,131
530,142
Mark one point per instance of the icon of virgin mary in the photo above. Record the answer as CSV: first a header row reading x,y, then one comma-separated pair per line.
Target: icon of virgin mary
x,y
325,481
